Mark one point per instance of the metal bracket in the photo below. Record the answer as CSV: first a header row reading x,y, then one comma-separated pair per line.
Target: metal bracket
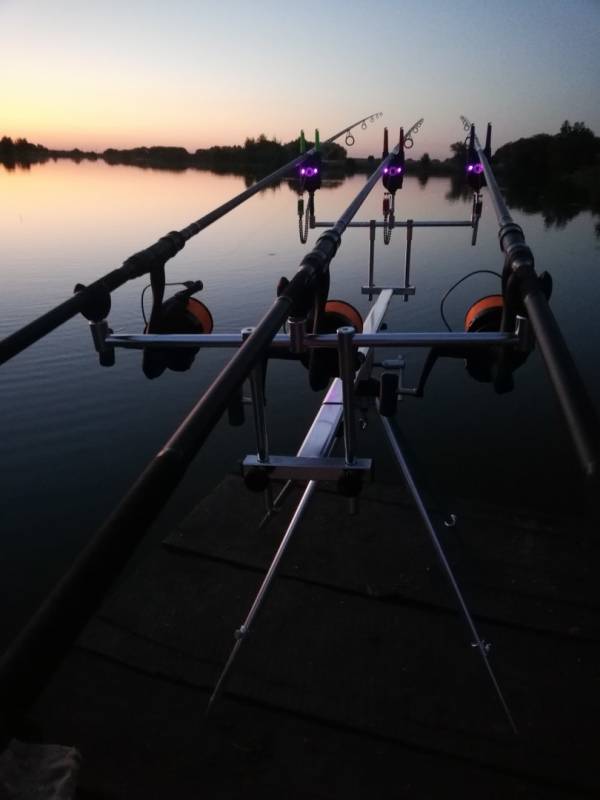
x,y
404,290
525,334
106,352
306,469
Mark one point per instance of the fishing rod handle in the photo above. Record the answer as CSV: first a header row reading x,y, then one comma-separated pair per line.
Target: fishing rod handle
x,y
575,404
572,396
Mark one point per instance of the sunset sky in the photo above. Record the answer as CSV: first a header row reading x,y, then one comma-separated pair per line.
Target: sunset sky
x,y
195,73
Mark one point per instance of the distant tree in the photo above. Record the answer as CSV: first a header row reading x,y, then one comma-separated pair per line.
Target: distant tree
x,y
425,162
459,152
565,128
6,146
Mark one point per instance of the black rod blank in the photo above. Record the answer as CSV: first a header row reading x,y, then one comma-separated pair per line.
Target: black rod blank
x,y
38,650
575,404
141,263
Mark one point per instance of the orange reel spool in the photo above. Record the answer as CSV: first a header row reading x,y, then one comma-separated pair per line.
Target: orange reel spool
x,y
485,314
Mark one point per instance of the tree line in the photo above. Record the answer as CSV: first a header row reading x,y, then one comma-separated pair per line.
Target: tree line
x,y
535,159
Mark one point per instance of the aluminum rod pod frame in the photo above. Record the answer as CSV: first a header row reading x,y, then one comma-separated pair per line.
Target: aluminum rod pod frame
x,y
394,439
32,658
142,263
577,409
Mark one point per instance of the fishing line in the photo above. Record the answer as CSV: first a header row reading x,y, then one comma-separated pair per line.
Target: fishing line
x,y
187,285
453,287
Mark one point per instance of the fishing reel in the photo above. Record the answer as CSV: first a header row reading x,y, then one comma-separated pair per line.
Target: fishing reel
x,y
181,313
491,313
485,316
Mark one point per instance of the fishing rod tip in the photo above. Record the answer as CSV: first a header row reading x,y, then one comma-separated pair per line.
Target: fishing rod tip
x,y
210,705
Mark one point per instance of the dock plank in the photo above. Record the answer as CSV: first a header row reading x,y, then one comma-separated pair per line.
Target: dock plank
x,y
515,568
157,745
358,642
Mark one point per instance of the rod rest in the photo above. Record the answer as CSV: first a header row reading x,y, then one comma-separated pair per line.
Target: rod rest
x,y
95,301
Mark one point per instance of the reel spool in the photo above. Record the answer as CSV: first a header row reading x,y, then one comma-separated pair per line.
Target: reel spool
x,y
323,365
179,314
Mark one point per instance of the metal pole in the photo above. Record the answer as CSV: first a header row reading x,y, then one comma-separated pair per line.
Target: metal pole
x,y
416,223
409,235
392,436
244,629
311,341
372,228
257,382
36,652
346,362
318,442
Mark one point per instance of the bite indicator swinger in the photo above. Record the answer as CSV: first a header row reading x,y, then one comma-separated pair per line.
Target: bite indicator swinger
x,y
309,174
392,178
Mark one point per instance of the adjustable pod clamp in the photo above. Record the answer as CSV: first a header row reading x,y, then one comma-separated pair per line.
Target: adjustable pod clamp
x,y
95,310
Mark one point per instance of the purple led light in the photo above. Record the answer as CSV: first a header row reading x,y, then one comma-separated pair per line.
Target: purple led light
x,y
476,168
386,170
302,171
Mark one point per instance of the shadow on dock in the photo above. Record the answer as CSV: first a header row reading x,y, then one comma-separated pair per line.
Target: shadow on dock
x,y
358,678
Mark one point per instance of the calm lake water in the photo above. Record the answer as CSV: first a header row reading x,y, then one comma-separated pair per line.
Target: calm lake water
x,y
75,435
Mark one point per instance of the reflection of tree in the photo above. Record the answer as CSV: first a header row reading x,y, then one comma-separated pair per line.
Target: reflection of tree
x,y
21,153
459,153
556,176
558,201
459,188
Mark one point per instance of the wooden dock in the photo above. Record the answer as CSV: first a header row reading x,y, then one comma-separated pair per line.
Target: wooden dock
x,y
359,680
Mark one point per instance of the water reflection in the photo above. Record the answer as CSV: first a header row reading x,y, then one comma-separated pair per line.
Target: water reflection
x,y
558,202
66,421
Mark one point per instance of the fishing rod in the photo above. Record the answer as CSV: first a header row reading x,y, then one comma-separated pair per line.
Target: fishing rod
x,y
43,642
94,300
317,446
525,290
314,459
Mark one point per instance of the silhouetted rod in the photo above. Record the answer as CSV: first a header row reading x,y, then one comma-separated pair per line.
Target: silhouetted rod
x,y
38,650
575,404
141,263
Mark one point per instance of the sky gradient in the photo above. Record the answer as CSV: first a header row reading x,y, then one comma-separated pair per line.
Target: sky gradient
x,y
197,73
